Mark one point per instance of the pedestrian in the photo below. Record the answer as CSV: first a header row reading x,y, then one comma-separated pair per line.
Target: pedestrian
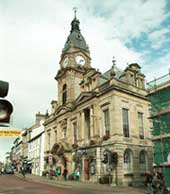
x,y
156,183
65,172
148,181
161,178
23,171
51,173
77,174
56,173
2,170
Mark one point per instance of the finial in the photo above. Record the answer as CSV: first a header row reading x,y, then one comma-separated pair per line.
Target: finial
x,y
114,61
113,68
75,11
46,112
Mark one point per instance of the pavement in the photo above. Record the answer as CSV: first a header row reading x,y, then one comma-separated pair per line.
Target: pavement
x,y
83,186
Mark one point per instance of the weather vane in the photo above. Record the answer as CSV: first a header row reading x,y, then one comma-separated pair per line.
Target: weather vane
x,y
75,11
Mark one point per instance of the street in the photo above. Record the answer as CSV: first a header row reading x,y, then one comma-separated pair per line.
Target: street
x,y
10,184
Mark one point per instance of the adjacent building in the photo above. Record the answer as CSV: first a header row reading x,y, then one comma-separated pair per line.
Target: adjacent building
x,y
99,123
159,95
36,145
16,153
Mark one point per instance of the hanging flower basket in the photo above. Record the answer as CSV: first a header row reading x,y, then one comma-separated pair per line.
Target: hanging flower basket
x,y
74,145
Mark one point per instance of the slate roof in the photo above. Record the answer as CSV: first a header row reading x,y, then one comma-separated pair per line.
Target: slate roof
x,y
75,39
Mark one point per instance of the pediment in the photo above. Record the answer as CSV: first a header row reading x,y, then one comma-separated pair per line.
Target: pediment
x,y
84,96
62,109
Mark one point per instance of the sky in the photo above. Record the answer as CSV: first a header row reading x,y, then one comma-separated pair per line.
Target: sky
x,y
33,33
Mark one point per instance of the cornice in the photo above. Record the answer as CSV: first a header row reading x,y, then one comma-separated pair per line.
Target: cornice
x,y
61,72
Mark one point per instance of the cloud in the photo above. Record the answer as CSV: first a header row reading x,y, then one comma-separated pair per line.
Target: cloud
x,y
159,37
130,20
162,63
33,33
5,145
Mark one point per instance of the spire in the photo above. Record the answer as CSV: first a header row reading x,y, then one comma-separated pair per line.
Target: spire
x,y
75,23
75,11
75,39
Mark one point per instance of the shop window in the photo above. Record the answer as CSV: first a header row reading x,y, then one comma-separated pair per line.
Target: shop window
x,y
128,161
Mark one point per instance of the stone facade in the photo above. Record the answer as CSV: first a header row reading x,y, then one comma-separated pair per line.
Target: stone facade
x,y
97,114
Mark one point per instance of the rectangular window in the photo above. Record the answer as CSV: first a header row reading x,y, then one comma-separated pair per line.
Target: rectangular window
x,y
140,124
56,136
65,132
49,141
75,132
125,122
107,122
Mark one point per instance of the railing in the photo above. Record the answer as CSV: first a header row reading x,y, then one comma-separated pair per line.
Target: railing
x,y
158,81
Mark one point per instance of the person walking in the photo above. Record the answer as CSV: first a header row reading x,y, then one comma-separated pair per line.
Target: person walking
x,y
148,181
23,171
158,182
56,173
77,174
2,170
65,172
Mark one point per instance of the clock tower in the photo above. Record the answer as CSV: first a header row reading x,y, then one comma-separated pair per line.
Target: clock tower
x,y
74,62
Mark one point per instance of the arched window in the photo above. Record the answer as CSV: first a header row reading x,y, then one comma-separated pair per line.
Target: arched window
x,y
143,161
128,160
64,93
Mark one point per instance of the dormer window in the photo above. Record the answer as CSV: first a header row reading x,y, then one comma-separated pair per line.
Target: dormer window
x,y
64,93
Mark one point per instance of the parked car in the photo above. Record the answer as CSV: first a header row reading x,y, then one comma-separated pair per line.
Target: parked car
x,y
9,170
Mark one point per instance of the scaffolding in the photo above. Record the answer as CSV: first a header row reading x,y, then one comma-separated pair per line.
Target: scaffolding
x,y
159,95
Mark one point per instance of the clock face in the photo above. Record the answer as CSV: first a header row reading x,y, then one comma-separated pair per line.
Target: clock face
x,y
80,60
65,62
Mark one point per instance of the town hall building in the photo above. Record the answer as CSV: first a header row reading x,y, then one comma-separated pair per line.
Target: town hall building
x,y
99,123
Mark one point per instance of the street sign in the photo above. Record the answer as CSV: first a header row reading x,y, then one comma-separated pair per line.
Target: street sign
x,y
9,133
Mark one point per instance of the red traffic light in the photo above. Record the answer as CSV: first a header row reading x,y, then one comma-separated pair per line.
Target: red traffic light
x,y
6,109
4,86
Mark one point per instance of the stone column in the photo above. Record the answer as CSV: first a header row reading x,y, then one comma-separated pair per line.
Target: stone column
x,y
82,126
94,122
119,148
79,132
91,121
98,163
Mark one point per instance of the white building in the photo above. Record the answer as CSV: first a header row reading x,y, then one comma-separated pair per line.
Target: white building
x,y
36,145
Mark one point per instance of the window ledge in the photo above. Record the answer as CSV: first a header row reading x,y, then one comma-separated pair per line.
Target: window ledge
x,y
128,174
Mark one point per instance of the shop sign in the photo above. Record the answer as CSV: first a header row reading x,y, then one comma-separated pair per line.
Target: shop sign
x,y
10,133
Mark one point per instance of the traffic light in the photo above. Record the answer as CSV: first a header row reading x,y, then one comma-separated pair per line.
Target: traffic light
x,y
105,158
6,107
114,157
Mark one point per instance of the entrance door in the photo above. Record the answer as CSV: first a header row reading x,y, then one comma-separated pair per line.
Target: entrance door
x,y
86,169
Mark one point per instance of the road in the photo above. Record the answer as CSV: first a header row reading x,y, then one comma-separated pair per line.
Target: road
x,y
10,184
